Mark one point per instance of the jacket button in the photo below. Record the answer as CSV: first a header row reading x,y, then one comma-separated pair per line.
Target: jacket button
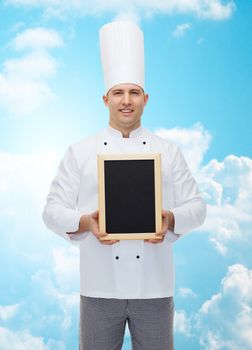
x,y
144,142
138,256
117,257
105,143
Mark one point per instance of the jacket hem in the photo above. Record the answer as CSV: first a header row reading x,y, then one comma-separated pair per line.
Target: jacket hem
x,y
126,296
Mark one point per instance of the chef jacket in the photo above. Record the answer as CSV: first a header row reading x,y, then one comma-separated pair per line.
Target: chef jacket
x,y
130,269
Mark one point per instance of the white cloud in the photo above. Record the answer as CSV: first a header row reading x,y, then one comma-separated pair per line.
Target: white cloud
x,y
68,302
193,141
238,282
63,286
127,15
182,323
225,320
20,341
23,80
207,9
8,311
65,282
226,186
212,342
21,97
181,29
235,174
32,67
66,267
10,340
207,304
24,184
20,175
219,246
185,292
37,39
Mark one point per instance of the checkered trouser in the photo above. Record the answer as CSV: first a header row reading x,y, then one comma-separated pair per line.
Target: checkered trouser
x,y
103,321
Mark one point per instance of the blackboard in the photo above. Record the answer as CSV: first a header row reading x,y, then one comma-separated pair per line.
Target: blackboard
x,y
129,196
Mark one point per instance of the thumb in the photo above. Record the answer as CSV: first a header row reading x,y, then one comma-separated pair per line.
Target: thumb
x,y
95,215
164,213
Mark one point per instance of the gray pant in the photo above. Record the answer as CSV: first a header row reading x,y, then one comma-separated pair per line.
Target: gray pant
x,y
103,321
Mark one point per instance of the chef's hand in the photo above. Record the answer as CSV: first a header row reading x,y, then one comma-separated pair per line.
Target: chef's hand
x,y
167,224
90,223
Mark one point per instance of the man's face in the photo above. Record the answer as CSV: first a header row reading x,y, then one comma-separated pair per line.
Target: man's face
x,y
126,103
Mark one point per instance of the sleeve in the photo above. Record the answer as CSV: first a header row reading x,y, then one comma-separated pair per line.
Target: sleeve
x,y
189,207
60,214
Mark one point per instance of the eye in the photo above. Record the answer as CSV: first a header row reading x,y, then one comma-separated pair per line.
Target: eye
x,y
117,93
136,93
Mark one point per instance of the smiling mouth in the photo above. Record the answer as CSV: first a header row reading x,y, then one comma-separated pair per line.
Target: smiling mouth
x,y
126,110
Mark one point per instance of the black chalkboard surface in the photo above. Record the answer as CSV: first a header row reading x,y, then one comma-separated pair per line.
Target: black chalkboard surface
x,y
129,195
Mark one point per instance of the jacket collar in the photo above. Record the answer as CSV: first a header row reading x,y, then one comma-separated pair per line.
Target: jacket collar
x,y
135,133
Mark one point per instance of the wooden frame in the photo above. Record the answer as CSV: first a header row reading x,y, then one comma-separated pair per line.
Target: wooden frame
x,y
141,174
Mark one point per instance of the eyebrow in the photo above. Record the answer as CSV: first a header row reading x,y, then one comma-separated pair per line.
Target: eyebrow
x,y
121,90
116,90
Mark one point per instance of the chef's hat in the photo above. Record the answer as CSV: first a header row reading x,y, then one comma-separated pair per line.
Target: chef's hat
x,y
122,54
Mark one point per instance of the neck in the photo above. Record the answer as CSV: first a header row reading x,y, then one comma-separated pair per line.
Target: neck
x,y
124,131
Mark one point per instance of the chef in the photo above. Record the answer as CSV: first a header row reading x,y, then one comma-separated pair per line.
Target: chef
x,y
128,281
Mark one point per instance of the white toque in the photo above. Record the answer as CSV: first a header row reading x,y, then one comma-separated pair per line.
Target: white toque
x,y
122,54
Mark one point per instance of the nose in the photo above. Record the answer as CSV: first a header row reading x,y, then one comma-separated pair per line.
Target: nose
x,y
126,99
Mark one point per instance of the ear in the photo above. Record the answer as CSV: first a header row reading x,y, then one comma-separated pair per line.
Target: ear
x,y
105,100
146,98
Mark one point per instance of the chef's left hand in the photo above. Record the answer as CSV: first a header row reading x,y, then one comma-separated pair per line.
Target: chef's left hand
x,y
167,224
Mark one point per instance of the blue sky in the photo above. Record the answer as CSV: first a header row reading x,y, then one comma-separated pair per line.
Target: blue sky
x,y
199,78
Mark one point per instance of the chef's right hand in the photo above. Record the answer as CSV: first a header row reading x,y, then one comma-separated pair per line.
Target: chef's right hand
x,y
93,225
